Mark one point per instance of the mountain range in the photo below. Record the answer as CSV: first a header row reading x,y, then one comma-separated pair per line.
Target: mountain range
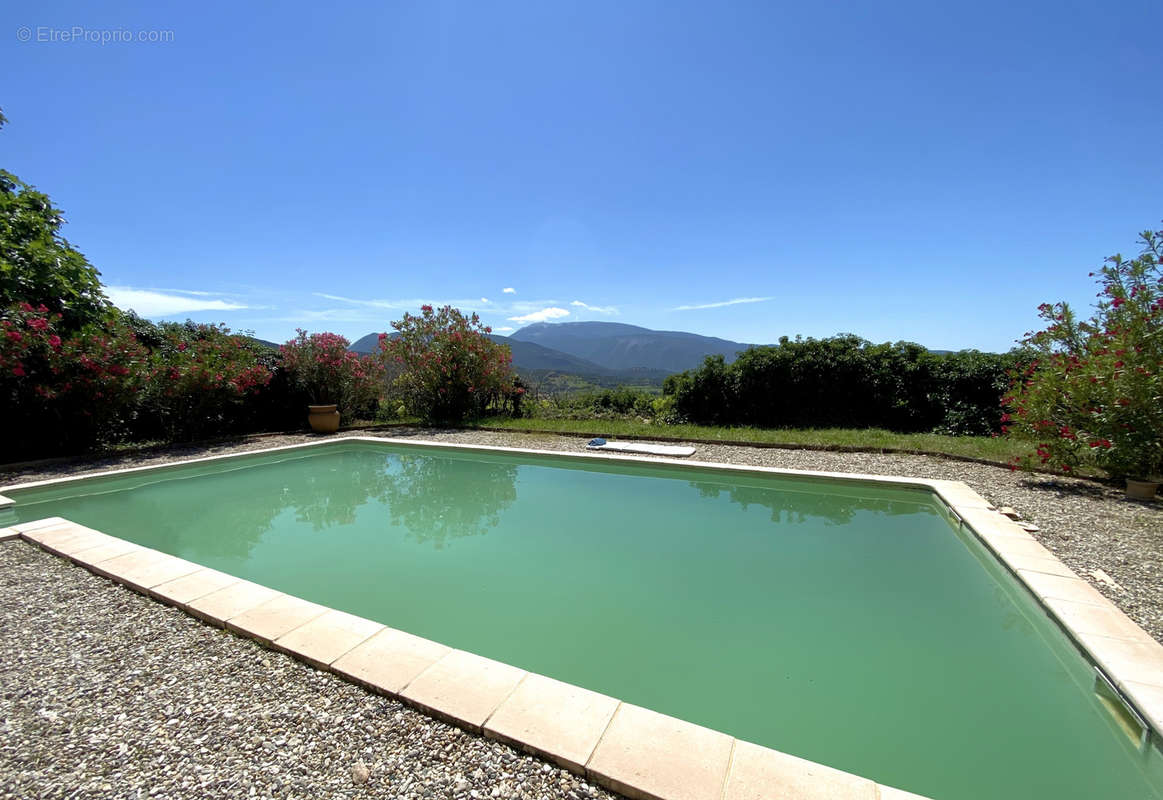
x,y
605,352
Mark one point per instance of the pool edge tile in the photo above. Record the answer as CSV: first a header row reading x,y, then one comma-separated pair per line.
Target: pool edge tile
x,y
892,793
1056,587
183,590
389,660
9,533
274,618
464,688
1148,699
91,557
646,755
1127,661
758,772
1081,619
553,719
36,524
143,569
229,601
327,637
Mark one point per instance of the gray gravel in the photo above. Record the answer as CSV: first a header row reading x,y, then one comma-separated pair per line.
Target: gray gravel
x,y
1089,525
106,693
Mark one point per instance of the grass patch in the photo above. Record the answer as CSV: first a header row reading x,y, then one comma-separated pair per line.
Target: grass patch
x,y
999,449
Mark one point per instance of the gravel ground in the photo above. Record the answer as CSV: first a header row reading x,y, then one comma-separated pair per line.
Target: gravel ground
x,y
106,693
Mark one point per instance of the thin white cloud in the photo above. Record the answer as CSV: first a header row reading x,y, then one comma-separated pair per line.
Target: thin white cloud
x,y
722,303
596,309
409,304
542,315
153,303
509,290
503,329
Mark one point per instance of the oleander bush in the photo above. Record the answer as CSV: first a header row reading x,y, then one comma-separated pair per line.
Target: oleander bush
x,y
321,366
1094,396
65,389
199,381
444,368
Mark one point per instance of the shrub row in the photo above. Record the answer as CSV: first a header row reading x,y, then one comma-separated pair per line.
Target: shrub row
x,y
126,379
845,381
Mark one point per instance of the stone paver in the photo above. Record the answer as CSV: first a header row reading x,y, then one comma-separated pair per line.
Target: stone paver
x,y
463,687
1149,699
650,756
219,606
327,637
1137,661
183,590
1084,618
390,660
554,719
1054,586
144,568
759,773
274,618
114,548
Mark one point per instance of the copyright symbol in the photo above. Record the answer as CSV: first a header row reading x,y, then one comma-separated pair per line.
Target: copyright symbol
x,y
23,34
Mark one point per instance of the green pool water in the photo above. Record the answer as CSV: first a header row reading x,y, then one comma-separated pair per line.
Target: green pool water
x,y
846,623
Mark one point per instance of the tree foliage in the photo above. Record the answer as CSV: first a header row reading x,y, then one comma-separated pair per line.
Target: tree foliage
x,y
446,369
37,265
845,381
1094,397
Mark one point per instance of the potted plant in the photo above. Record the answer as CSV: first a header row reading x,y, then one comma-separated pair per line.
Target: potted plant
x,y
333,377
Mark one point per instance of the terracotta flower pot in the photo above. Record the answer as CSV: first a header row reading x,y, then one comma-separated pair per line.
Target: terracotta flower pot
x,y
323,419
1141,490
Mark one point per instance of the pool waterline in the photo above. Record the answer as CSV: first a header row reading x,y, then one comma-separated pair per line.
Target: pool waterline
x,y
725,486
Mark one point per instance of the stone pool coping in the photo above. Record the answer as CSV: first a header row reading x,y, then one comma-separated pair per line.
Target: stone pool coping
x,y
632,750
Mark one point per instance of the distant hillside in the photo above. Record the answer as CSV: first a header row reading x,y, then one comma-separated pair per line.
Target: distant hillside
x,y
543,363
616,346
365,344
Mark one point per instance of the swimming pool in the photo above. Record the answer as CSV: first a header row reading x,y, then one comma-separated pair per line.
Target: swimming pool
x,y
846,622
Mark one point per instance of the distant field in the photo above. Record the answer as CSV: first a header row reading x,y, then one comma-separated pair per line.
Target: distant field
x,y
984,447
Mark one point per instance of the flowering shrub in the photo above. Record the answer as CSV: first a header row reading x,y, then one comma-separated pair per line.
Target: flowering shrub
x,y
66,389
199,377
321,365
1094,395
446,367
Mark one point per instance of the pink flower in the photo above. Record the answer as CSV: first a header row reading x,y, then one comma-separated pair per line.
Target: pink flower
x,y
54,341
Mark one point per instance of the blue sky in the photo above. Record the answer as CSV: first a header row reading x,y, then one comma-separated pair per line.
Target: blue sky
x,y
903,171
